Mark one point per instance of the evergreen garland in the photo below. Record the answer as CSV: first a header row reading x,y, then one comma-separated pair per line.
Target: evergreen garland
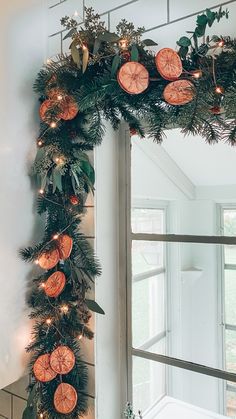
x,y
64,175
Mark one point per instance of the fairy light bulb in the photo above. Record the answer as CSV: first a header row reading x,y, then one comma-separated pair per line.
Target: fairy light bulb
x,y
40,143
53,124
221,43
219,90
64,309
48,61
80,336
41,191
36,262
59,97
197,74
41,415
55,237
42,285
48,321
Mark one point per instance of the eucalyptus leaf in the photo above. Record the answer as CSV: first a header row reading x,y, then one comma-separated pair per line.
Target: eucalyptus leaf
x,y
93,306
134,53
115,65
75,53
56,178
88,169
184,41
96,46
76,178
43,181
85,59
200,31
31,398
69,34
202,20
149,43
40,154
183,51
29,413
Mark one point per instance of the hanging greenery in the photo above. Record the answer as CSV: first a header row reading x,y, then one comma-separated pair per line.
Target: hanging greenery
x,y
113,77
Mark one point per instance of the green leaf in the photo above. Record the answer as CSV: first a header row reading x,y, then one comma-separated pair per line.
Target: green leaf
x,y
109,37
184,41
149,43
29,413
183,51
202,20
210,17
75,55
93,306
88,169
115,65
69,34
76,178
85,59
43,181
134,53
40,154
56,178
31,398
96,46
200,31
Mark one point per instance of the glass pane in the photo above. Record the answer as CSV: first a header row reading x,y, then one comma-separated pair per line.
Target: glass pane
x,y
147,220
148,311
230,254
187,395
231,403
148,383
171,172
230,296
230,222
230,349
185,304
147,256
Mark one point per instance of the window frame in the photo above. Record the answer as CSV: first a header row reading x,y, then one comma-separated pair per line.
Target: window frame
x,y
126,236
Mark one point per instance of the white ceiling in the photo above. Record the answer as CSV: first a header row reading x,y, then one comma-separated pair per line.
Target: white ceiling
x,y
202,163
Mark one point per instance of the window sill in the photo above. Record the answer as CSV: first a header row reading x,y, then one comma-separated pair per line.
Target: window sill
x,y
170,408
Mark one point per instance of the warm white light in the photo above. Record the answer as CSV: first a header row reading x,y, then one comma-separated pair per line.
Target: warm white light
x,y
41,191
48,61
41,415
55,237
43,285
64,309
40,143
59,97
48,321
221,43
53,124
80,337
36,262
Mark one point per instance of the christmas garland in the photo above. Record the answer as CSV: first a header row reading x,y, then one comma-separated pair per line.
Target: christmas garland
x,y
113,77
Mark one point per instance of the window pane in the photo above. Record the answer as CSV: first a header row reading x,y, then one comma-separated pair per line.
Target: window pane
x,y
230,222
148,383
148,310
187,395
147,256
230,344
147,220
231,403
230,296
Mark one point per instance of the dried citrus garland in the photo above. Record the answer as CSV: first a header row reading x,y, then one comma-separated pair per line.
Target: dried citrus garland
x,y
113,76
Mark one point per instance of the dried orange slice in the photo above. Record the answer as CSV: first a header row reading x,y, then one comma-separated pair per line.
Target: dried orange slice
x,y
55,284
179,92
65,244
49,259
65,398
62,360
46,106
69,108
133,77
169,64
42,369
